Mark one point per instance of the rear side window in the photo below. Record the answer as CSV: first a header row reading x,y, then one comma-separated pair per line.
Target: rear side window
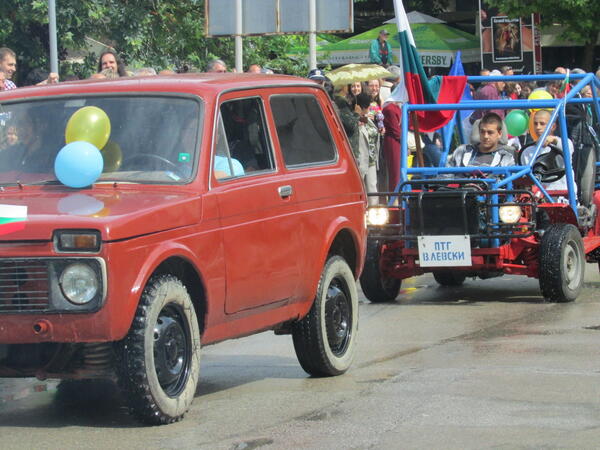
x,y
303,133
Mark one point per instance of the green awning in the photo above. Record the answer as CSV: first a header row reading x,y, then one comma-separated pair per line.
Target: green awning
x,y
437,44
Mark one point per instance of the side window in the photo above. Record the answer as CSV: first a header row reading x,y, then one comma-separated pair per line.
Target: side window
x,y
242,146
302,130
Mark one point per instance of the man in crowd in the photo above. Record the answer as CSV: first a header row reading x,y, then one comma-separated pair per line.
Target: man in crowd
x,y
110,60
216,66
317,75
8,66
254,68
490,91
380,51
488,152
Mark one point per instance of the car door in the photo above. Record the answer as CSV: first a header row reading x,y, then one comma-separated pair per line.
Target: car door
x,y
305,130
257,209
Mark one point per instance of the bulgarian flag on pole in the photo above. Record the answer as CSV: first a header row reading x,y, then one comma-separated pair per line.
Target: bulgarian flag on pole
x,y
12,218
418,88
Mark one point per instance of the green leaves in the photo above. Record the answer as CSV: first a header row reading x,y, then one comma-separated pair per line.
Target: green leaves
x,y
156,33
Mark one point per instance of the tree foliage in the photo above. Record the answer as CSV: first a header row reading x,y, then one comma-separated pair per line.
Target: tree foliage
x,y
578,17
155,33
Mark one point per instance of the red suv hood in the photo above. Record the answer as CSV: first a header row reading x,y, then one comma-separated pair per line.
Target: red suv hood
x,y
117,214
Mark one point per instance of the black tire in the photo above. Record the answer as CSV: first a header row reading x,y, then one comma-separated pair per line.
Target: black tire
x,y
448,278
159,359
562,263
325,340
375,287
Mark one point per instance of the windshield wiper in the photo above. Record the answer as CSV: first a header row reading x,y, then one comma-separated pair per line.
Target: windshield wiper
x,y
44,182
15,183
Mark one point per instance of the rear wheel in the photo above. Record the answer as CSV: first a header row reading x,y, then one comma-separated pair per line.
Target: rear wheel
x,y
159,360
325,340
448,278
377,287
562,263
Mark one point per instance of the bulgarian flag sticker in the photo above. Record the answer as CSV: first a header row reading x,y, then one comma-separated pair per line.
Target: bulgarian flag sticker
x,y
12,218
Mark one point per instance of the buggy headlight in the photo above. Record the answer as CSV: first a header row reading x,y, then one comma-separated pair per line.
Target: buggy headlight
x,y
510,213
79,283
377,216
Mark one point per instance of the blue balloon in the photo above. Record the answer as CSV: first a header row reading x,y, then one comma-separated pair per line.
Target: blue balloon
x,y
78,164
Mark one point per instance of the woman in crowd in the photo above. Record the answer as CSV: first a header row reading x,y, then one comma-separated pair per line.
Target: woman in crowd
x,y
368,145
526,90
353,90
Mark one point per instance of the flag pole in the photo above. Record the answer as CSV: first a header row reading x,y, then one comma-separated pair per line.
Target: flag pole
x,y
415,121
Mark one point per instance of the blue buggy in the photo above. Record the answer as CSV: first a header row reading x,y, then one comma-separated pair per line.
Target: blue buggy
x,y
459,222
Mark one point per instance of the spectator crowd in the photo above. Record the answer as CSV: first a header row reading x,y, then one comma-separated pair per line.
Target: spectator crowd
x,y
369,111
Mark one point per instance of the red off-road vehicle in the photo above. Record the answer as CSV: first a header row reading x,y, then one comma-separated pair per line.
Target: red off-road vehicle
x,y
227,205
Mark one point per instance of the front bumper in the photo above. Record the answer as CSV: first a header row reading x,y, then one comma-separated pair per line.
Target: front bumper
x,y
461,211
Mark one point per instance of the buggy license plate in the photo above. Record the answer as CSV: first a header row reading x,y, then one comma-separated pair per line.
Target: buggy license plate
x,y
444,251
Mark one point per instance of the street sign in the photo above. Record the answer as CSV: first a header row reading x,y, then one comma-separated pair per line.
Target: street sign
x,y
278,17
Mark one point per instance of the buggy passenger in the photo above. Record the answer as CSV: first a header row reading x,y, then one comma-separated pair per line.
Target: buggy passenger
x,y
540,122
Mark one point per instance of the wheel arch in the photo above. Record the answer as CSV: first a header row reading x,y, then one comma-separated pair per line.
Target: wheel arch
x,y
343,240
344,245
179,261
187,273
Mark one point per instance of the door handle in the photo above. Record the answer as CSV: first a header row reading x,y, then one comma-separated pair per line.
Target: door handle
x,y
285,191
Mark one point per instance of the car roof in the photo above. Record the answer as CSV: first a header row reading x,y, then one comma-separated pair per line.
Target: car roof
x,y
205,83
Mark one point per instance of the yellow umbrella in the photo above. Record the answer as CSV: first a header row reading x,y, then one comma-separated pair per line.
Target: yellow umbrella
x,y
351,73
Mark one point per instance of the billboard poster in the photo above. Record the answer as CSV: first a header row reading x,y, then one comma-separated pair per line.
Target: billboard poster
x,y
506,41
507,45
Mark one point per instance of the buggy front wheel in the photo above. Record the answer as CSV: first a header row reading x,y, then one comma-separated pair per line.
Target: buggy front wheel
x,y
562,263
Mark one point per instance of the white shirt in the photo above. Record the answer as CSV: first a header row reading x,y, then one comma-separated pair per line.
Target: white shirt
x,y
561,183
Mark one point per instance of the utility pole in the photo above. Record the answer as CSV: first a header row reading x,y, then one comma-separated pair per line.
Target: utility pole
x,y
52,31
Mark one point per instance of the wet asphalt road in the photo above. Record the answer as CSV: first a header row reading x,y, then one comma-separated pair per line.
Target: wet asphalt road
x,y
489,365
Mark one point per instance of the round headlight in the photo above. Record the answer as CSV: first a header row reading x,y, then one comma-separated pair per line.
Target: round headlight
x,y
79,283
378,216
510,213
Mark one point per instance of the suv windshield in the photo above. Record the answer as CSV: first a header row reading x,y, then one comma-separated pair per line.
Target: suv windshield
x,y
153,139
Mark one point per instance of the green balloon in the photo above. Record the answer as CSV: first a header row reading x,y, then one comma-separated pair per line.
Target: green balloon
x,y
516,122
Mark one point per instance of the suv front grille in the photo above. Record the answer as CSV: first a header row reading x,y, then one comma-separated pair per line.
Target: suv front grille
x,y
24,285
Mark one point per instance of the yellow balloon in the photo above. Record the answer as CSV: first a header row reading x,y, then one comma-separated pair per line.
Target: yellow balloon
x,y
89,124
113,157
539,94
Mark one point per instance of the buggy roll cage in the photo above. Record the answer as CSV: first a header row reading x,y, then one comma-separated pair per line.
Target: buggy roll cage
x,y
509,173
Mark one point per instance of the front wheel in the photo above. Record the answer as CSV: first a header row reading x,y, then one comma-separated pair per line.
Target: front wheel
x,y
377,287
562,263
159,359
325,340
